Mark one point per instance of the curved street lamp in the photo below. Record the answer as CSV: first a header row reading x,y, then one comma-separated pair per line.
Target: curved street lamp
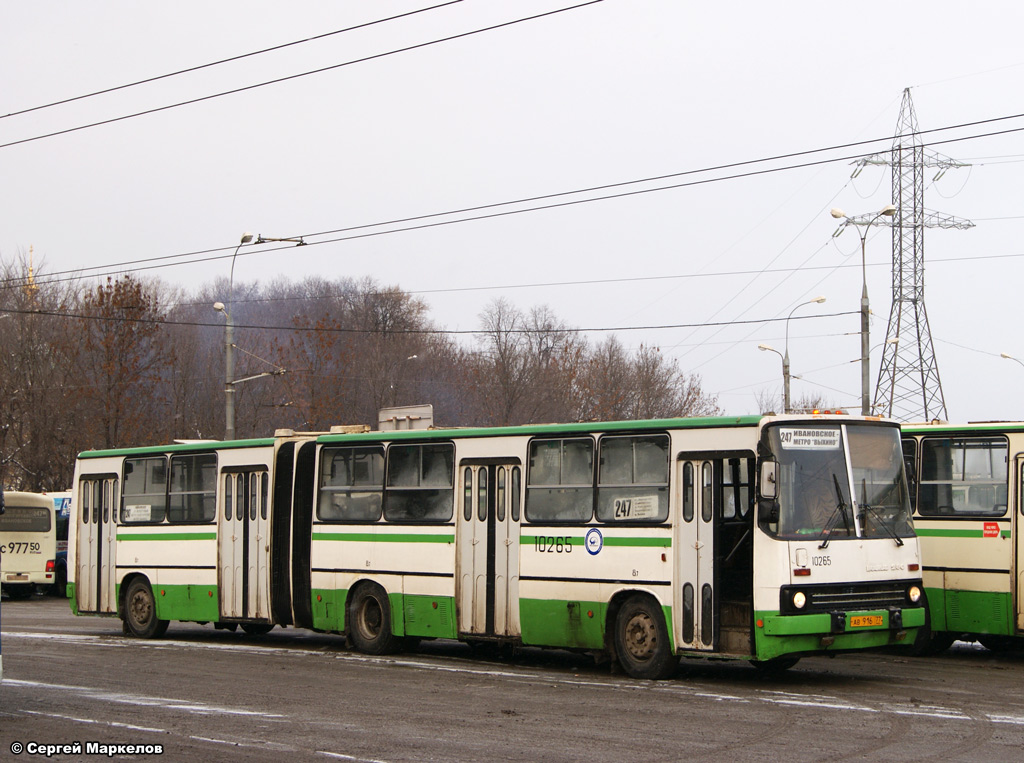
x,y
1010,357
229,338
786,376
865,353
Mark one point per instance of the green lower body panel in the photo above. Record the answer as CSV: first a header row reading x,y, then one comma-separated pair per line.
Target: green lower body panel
x,y
979,612
329,609
72,597
411,615
571,624
777,635
194,603
427,616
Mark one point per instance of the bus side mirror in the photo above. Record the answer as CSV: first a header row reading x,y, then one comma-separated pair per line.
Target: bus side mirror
x,y
768,505
770,479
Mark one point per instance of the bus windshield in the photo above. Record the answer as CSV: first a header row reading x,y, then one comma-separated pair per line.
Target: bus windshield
x,y
839,481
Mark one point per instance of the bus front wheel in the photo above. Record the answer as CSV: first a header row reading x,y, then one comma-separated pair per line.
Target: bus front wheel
x,y
641,640
140,611
369,621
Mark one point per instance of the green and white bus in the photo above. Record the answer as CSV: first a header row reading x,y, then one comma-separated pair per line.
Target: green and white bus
x,y
641,541
28,543
967,484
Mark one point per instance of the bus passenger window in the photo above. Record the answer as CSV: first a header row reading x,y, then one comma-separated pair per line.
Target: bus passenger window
x,y
963,476
351,484
632,480
145,491
420,484
560,482
193,488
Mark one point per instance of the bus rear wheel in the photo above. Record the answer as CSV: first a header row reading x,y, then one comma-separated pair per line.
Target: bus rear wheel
x,y
257,629
140,611
369,621
641,640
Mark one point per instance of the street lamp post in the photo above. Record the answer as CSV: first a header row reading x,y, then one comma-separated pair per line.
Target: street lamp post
x,y
229,347
229,338
865,353
786,375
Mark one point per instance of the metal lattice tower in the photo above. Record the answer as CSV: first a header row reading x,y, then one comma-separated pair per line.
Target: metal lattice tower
x,y
908,386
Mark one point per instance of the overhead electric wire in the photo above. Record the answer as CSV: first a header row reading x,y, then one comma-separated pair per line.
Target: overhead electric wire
x,y
288,78
445,332
230,59
117,269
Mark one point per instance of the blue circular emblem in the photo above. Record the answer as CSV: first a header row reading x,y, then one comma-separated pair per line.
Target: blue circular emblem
x,y
594,541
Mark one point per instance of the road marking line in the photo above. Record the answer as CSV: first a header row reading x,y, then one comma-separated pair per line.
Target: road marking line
x,y
91,720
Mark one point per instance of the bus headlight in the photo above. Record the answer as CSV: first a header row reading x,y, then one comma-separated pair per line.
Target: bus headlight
x,y
914,594
799,600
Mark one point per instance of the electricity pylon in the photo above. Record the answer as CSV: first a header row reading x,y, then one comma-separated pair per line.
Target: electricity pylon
x,y
908,386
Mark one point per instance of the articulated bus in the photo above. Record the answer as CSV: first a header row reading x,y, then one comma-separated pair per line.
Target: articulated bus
x,y
758,538
967,483
28,543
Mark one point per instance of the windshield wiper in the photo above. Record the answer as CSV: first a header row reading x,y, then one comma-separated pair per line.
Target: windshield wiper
x,y
840,509
866,508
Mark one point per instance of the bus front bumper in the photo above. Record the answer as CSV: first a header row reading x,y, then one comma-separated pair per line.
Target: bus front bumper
x,y
778,634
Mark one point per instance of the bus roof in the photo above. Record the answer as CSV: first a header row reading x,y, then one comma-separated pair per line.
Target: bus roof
x,y
15,498
971,426
708,422
180,447
704,422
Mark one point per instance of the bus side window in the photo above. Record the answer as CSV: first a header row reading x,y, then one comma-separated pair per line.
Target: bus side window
x,y
560,482
193,488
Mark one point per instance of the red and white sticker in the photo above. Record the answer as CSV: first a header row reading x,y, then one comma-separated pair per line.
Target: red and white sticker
x,y
991,530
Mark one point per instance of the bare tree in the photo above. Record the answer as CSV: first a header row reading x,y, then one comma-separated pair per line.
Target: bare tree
x,y
118,352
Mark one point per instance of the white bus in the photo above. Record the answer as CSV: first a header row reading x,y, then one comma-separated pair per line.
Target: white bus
x,y
641,541
28,543
967,483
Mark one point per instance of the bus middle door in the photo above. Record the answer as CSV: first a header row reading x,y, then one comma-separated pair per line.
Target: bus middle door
x,y
694,598
489,549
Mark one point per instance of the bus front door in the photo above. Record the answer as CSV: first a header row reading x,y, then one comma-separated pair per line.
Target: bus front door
x,y
488,580
244,546
97,540
694,605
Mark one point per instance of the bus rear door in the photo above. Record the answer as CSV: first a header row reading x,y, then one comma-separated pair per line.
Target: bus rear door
x,y
97,534
244,551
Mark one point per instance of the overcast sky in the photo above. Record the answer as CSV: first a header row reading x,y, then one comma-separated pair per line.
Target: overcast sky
x,y
607,93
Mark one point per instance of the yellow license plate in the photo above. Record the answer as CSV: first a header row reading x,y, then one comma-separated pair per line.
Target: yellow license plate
x,y
867,621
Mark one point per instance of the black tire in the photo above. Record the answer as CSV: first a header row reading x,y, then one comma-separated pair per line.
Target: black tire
x,y
369,621
775,666
60,585
140,611
928,642
641,640
1001,643
257,629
